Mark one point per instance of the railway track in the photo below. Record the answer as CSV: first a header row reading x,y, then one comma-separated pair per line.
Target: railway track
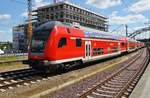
x,y
17,78
121,83
11,79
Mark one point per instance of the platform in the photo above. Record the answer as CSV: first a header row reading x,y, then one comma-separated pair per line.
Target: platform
x,y
142,89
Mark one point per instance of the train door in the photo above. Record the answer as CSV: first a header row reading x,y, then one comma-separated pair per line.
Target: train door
x,y
87,50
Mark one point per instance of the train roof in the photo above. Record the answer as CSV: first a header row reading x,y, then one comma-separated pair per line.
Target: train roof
x,y
88,32
47,25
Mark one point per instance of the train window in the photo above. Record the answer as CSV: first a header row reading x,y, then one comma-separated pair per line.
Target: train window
x,y
99,50
94,51
62,42
78,42
102,51
122,44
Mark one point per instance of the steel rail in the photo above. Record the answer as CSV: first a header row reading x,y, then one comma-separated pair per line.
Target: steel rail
x,y
88,92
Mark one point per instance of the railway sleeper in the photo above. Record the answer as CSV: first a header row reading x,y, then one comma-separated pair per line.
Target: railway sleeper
x,y
110,88
114,83
129,90
103,92
106,91
114,86
14,79
124,73
119,80
101,95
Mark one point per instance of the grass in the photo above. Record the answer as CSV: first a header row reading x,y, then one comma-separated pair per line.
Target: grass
x,y
12,58
12,66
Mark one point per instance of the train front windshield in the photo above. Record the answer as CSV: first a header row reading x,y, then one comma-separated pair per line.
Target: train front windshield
x,y
39,40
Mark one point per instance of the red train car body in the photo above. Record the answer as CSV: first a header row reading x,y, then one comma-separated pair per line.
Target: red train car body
x,y
55,43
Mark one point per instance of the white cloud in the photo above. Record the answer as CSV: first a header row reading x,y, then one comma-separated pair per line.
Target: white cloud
x,y
1,32
128,19
5,17
103,4
36,4
5,34
140,6
39,3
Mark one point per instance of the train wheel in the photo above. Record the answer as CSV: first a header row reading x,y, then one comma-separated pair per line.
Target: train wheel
x,y
60,68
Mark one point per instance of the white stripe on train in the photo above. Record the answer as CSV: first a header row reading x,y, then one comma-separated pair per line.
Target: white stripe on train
x,y
92,39
92,58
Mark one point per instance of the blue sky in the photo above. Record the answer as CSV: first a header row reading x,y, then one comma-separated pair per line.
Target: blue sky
x,y
134,13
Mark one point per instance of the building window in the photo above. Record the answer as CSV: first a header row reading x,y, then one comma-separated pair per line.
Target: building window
x,y
56,16
61,6
52,8
78,42
62,42
67,16
61,15
52,17
64,6
56,7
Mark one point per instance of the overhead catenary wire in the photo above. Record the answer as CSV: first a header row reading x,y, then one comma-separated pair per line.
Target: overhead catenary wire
x,y
127,6
122,24
118,27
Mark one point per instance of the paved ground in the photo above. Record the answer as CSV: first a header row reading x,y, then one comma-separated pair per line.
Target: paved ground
x,y
142,90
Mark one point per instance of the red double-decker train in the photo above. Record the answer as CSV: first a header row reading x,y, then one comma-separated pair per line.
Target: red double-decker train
x,y
56,44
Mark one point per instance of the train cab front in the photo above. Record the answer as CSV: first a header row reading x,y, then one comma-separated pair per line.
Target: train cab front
x,y
41,41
